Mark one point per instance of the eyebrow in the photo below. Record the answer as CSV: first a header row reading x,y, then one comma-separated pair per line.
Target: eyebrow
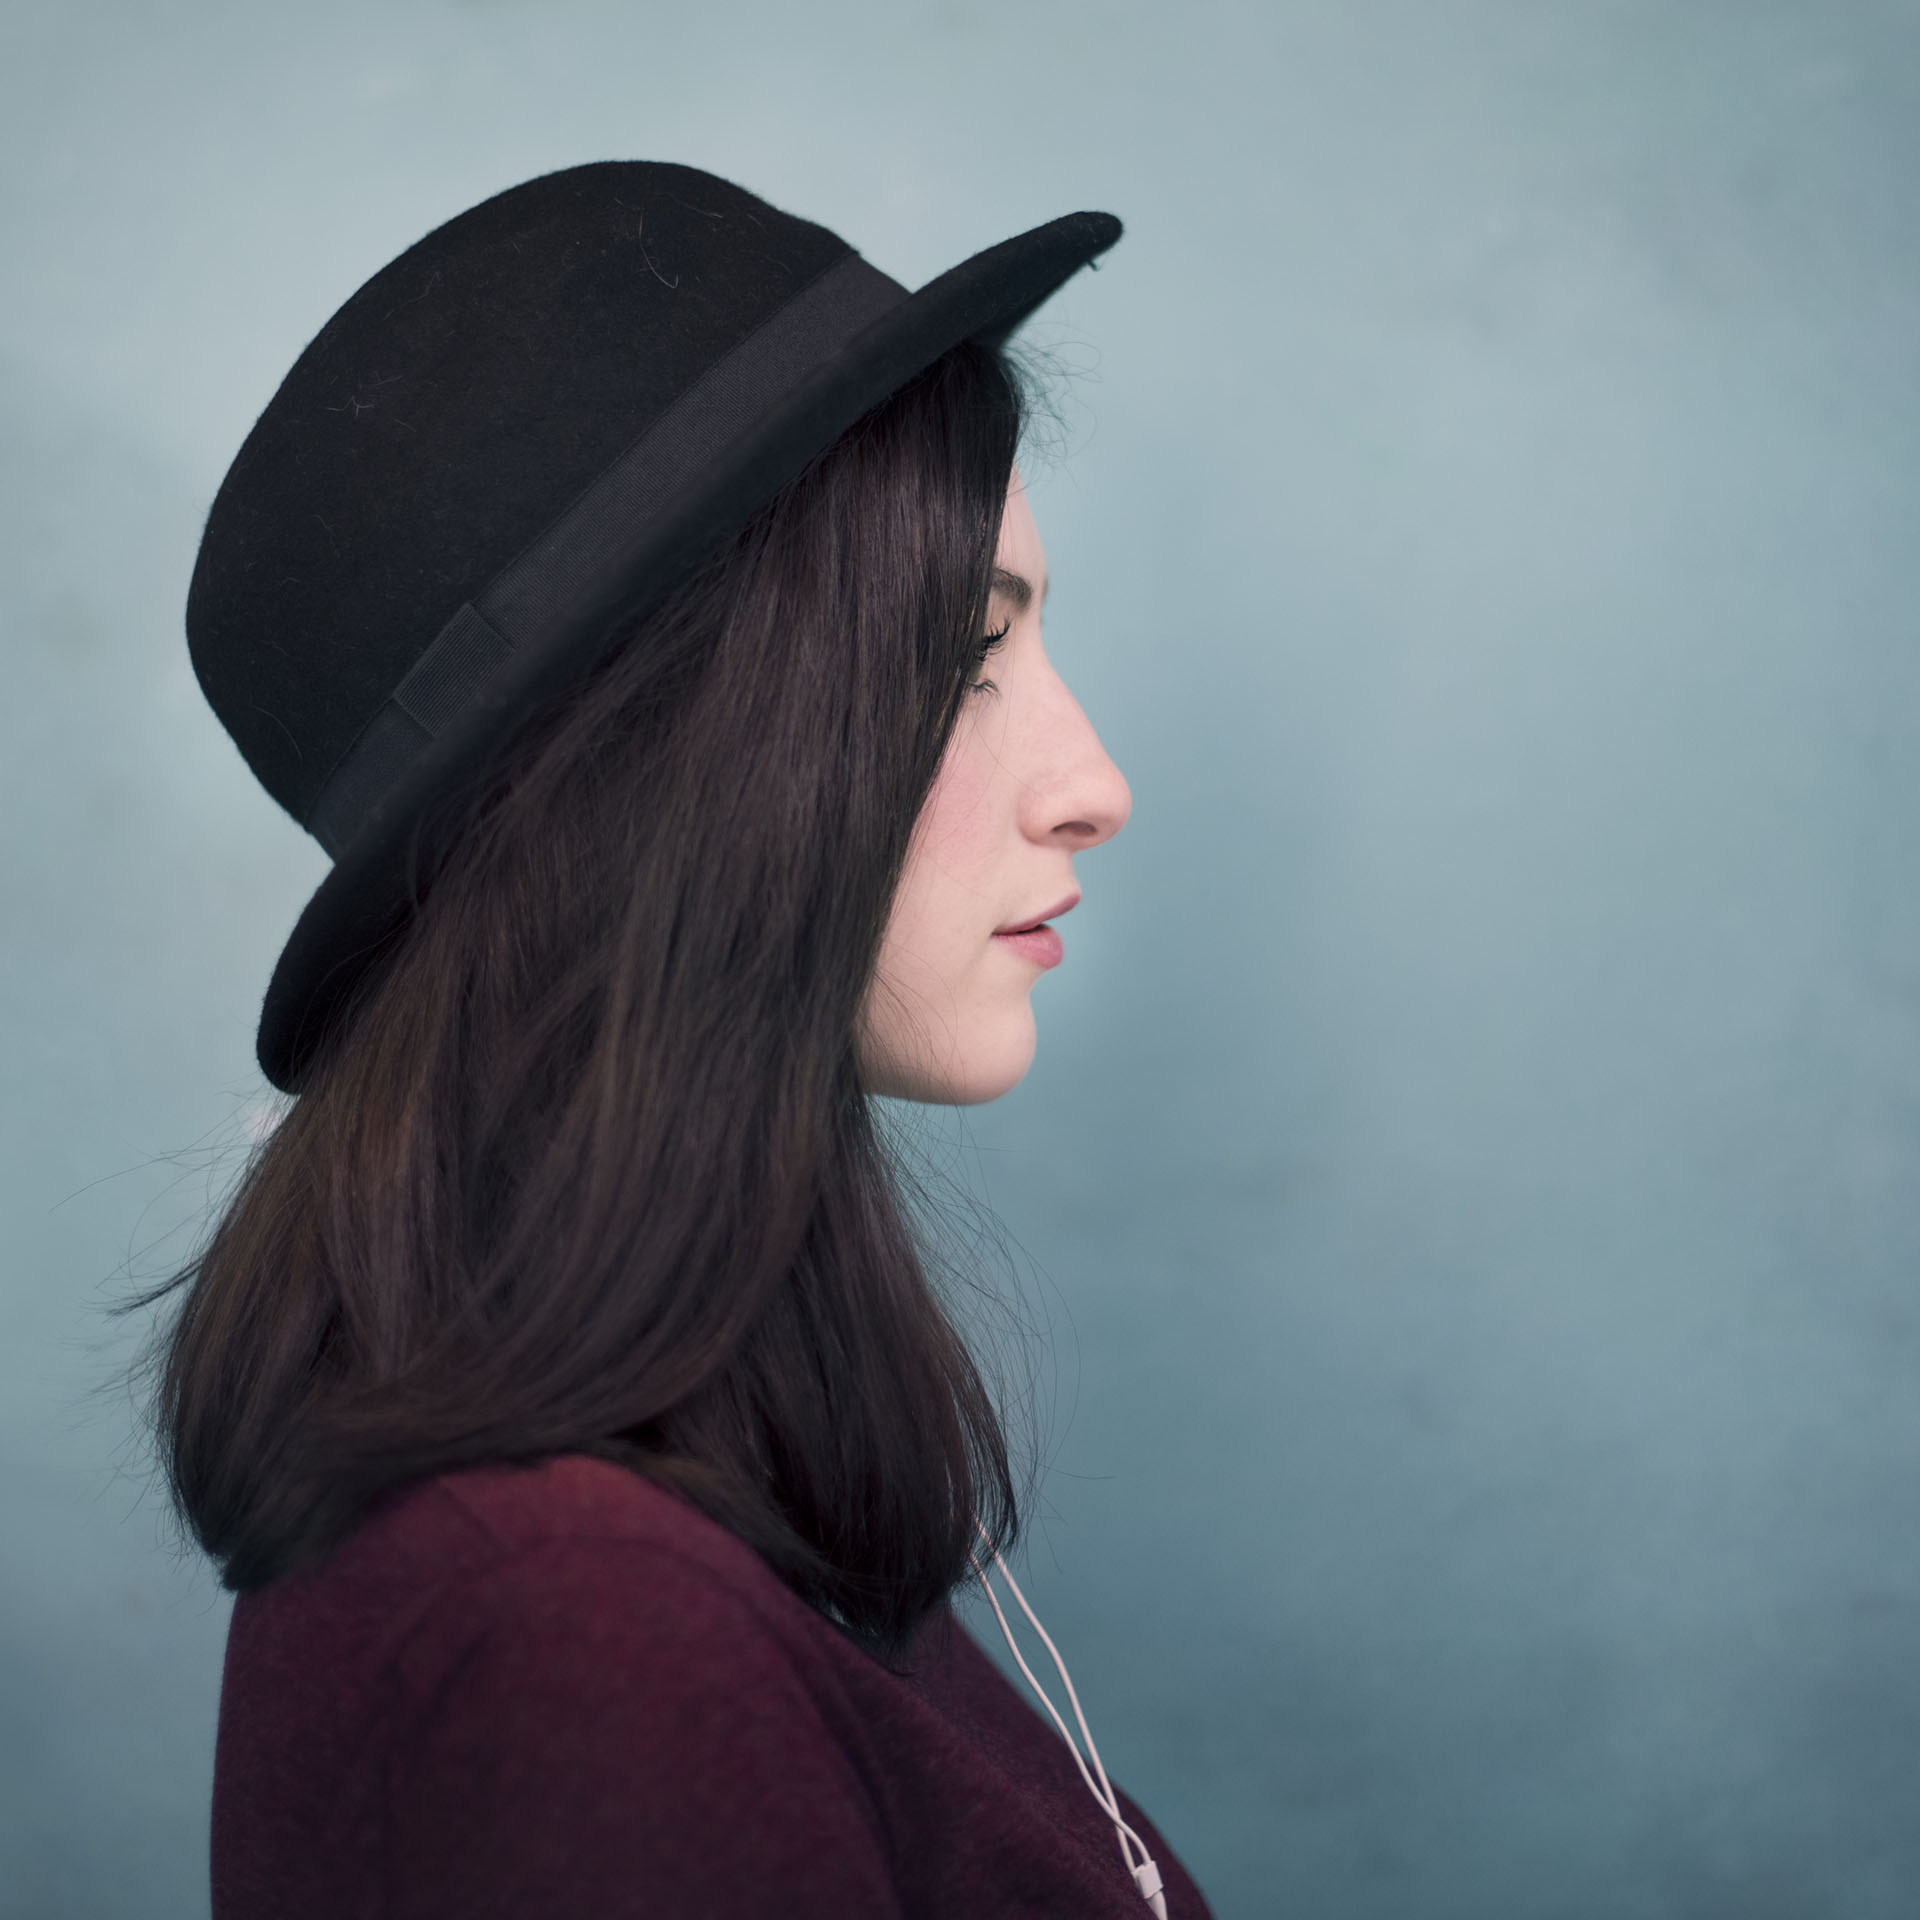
x,y
1015,587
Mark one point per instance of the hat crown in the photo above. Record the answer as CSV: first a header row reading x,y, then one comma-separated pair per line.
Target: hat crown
x,y
443,419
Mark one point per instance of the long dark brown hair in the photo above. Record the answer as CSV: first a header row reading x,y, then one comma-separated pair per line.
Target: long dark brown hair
x,y
589,1168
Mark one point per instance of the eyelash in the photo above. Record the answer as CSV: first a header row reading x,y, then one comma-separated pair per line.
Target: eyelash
x,y
989,644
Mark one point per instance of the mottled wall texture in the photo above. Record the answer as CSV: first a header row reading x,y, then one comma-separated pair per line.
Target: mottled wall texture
x,y
1468,1199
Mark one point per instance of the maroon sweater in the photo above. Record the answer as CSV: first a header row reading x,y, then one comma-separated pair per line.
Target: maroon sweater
x,y
563,1691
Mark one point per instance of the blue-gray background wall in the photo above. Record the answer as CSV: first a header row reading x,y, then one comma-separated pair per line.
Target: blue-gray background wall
x,y
1470,1172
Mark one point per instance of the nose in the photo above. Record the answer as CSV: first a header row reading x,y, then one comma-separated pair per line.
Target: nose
x,y
1074,797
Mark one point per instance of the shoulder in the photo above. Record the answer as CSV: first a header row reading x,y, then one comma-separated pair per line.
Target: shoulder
x,y
573,1564
572,1548
464,1523
502,1618
571,1520
564,1680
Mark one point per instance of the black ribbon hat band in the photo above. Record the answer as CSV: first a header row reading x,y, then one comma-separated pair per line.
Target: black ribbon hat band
x,y
582,561
512,440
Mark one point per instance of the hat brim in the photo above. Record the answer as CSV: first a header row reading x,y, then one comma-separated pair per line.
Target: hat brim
x,y
357,911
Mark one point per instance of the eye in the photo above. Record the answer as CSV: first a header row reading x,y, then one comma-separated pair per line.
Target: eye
x,y
984,649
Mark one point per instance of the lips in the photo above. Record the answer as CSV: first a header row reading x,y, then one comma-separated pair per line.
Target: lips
x,y
1039,920
1033,940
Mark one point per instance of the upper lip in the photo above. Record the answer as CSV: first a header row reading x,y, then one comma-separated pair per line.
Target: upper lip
x,y
1040,919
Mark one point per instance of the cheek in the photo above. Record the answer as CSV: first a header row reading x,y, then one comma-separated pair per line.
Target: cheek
x,y
953,1021
947,906
958,839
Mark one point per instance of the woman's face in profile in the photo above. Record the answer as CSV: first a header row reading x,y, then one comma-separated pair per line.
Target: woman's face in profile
x,y
1024,786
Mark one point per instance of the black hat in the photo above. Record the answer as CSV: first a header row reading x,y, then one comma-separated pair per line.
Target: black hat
x,y
508,443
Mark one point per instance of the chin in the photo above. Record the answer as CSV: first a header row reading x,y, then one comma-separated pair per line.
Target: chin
x,y
995,1064
989,1060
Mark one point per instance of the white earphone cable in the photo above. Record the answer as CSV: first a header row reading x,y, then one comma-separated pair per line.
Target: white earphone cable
x,y
1146,1874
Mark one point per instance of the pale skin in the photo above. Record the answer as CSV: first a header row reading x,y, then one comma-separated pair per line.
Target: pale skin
x,y
1024,786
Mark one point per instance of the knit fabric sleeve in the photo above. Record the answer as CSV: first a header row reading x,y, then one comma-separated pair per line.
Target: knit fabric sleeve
x,y
559,1750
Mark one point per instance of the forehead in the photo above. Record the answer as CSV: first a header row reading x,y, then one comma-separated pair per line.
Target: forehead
x,y
1020,550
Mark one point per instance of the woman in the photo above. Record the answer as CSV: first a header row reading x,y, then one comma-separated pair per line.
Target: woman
x,y
631,588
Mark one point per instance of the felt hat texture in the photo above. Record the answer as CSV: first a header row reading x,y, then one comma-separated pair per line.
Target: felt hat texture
x,y
506,446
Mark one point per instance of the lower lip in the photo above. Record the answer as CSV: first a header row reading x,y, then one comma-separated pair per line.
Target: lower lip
x,y
1040,946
